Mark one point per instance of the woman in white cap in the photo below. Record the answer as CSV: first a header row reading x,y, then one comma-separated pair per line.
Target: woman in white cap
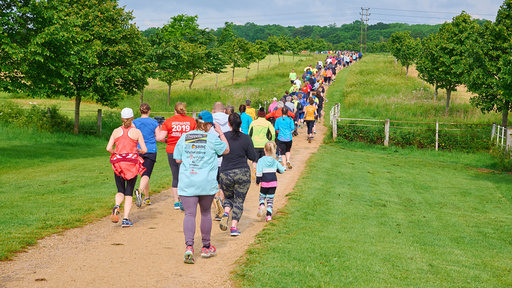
x,y
197,152
126,163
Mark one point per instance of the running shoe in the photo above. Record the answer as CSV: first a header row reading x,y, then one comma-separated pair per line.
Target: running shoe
x,y
208,252
224,222
115,214
138,198
147,201
176,205
181,206
217,217
127,223
289,165
268,218
309,140
219,210
189,255
235,232
261,210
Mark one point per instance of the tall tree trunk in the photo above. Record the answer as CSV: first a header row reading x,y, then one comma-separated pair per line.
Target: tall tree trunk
x,y
435,91
247,75
269,60
448,95
233,77
141,96
192,82
396,63
504,114
278,59
258,66
76,125
406,72
216,80
293,57
169,96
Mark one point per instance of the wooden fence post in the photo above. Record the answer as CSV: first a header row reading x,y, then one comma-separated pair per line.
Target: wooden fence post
x,y
437,135
194,114
386,131
509,138
99,122
493,131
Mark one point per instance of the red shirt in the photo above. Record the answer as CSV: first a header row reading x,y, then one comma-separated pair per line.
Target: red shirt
x,y
176,126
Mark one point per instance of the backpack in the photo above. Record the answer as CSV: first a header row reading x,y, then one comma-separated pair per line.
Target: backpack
x,y
300,108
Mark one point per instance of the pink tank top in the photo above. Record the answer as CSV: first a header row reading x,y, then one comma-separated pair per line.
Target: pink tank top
x,y
125,144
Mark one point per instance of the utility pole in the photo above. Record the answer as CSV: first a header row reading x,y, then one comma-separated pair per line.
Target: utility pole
x,y
364,18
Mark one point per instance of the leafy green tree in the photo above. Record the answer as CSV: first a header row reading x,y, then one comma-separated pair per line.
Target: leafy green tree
x,y
454,38
168,50
489,73
260,51
78,49
296,46
428,60
196,48
404,48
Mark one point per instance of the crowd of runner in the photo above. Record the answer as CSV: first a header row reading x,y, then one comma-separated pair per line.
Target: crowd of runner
x,y
215,157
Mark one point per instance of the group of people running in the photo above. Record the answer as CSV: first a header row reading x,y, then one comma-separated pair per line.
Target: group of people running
x,y
209,156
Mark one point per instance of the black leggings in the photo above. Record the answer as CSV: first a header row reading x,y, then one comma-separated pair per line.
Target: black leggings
x,y
310,124
175,169
125,186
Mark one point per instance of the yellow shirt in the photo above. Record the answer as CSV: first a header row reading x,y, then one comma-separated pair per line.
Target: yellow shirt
x,y
251,112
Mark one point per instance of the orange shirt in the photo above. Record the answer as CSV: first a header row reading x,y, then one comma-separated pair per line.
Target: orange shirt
x,y
309,113
176,126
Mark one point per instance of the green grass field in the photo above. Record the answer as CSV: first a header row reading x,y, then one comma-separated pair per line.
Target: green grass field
x,y
371,216
359,216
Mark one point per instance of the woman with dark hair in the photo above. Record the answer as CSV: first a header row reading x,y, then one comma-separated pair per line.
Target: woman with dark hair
x,y
245,118
235,174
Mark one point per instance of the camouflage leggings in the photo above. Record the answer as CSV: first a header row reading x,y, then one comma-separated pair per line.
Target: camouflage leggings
x,y
235,184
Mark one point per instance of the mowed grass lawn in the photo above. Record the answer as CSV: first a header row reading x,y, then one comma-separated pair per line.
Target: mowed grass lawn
x,y
374,217
371,216
52,182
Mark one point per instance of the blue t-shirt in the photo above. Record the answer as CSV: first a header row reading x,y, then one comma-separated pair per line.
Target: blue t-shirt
x,y
246,122
285,126
147,126
198,172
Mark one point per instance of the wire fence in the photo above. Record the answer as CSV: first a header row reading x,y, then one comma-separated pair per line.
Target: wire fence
x,y
432,135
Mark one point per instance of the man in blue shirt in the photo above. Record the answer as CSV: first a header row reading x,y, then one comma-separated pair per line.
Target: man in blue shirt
x,y
285,126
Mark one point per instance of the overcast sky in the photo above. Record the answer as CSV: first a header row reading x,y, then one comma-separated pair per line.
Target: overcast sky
x,y
213,13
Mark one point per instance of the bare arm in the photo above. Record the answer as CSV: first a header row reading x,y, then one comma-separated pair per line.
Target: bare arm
x,y
143,149
110,145
160,137
222,138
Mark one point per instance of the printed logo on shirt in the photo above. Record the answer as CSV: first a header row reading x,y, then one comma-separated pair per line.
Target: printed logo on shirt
x,y
196,138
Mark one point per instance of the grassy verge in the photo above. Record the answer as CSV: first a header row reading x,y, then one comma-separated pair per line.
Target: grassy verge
x,y
52,182
375,217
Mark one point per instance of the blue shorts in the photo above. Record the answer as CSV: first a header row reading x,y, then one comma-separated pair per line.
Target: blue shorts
x,y
301,115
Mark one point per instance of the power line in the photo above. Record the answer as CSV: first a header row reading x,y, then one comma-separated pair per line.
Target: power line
x,y
434,12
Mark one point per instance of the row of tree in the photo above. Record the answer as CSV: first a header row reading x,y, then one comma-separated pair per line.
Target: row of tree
x,y
344,37
463,52
89,50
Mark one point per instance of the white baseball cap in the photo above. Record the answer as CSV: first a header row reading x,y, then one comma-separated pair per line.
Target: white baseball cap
x,y
127,113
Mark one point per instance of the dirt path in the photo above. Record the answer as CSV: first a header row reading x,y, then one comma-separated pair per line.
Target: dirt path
x,y
149,254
